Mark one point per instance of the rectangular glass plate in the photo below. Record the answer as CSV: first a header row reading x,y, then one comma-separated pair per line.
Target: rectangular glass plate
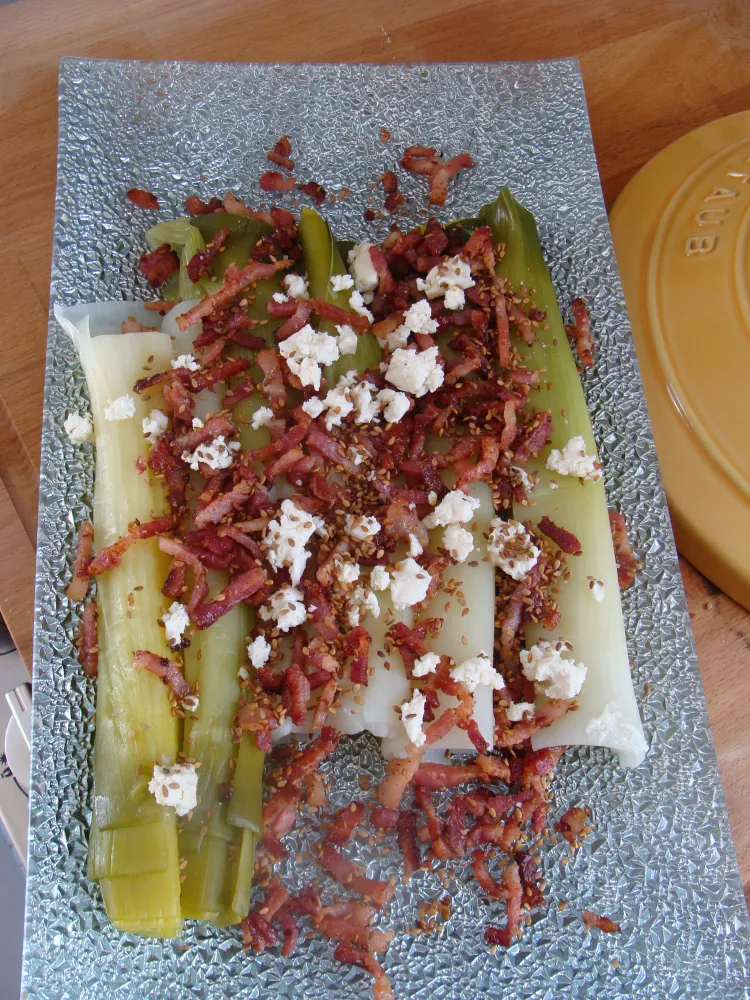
x,y
661,859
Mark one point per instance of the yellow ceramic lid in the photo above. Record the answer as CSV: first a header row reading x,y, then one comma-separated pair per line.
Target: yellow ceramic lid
x,y
681,230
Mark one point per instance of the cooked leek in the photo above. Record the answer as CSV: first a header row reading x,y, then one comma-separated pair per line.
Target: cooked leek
x,y
135,724
608,713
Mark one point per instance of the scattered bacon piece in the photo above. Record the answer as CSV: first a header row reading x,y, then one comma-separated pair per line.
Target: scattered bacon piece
x,y
385,135
159,264
313,190
235,281
485,466
269,362
280,153
593,920
345,823
289,931
176,583
327,310
222,505
272,180
566,540
257,932
347,873
167,670
199,265
88,653
423,799
357,645
200,576
482,875
443,175
236,591
384,819
527,866
399,773
513,891
352,955
80,582
111,555
296,694
571,824
438,777
534,437
580,331
194,205
280,813
406,828
141,198
627,564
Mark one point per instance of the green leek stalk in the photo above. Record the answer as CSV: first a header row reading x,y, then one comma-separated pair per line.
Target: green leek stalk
x,y
608,713
186,240
133,841
323,260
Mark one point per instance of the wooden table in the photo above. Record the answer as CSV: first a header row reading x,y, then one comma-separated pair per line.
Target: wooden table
x,y
653,69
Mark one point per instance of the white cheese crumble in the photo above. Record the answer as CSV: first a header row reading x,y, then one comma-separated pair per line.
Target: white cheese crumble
x,y
79,428
258,651
262,417
520,475
347,339
285,539
154,425
553,675
415,546
305,351
347,572
409,584
380,578
286,607
362,268
456,507
612,729
511,549
356,454
573,461
432,498
244,674
360,526
366,405
296,286
415,372
197,423
395,404
314,406
339,404
122,408
519,710
216,454
340,282
458,541
175,786
186,361
280,297
361,603
357,303
597,589
175,622
412,716
426,664
191,703
449,279
476,672
418,318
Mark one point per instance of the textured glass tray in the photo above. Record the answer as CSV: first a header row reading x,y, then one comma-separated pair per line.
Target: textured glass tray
x,y
661,858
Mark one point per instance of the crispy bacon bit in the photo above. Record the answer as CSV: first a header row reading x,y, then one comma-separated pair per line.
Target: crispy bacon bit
x,y
594,921
345,823
289,931
167,670
80,583
141,198
159,264
234,396
513,892
200,576
423,799
235,281
272,180
176,583
406,828
280,815
534,437
223,504
400,772
485,466
444,174
194,205
438,777
327,310
347,873
482,874
257,932
384,819
313,190
527,866
385,135
280,153
566,540
352,955
269,362
236,591
295,322
199,265
580,331
88,652
627,564
571,824
296,694
357,645
493,767
111,556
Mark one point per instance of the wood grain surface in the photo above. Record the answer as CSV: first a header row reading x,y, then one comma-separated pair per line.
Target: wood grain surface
x,y
653,69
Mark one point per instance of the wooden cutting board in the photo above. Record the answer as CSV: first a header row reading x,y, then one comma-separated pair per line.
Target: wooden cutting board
x,y
653,71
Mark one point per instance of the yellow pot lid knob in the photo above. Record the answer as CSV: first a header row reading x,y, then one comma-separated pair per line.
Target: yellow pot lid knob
x,y
681,230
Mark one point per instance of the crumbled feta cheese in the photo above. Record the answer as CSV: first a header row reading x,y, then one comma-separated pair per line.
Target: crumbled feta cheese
x,y
458,541
396,338
280,297
197,423
511,549
353,616
366,405
553,485
612,729
476,672
380,578
258,651
339,404
285,539
417,372
360,526
262,417
553,675
426,664
296,286
314,406
305,351
518,709
186,361
244,674
597,589
154,425
175,622
347,572
175,786
520,476
448,279
415,546
122,408
456,507
356,454
191,703
286,607
364,602
79,428
573,461
340,282
418,318
216,454
357,303
347,339
362,268
409,584
395,404
432,498
412,716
